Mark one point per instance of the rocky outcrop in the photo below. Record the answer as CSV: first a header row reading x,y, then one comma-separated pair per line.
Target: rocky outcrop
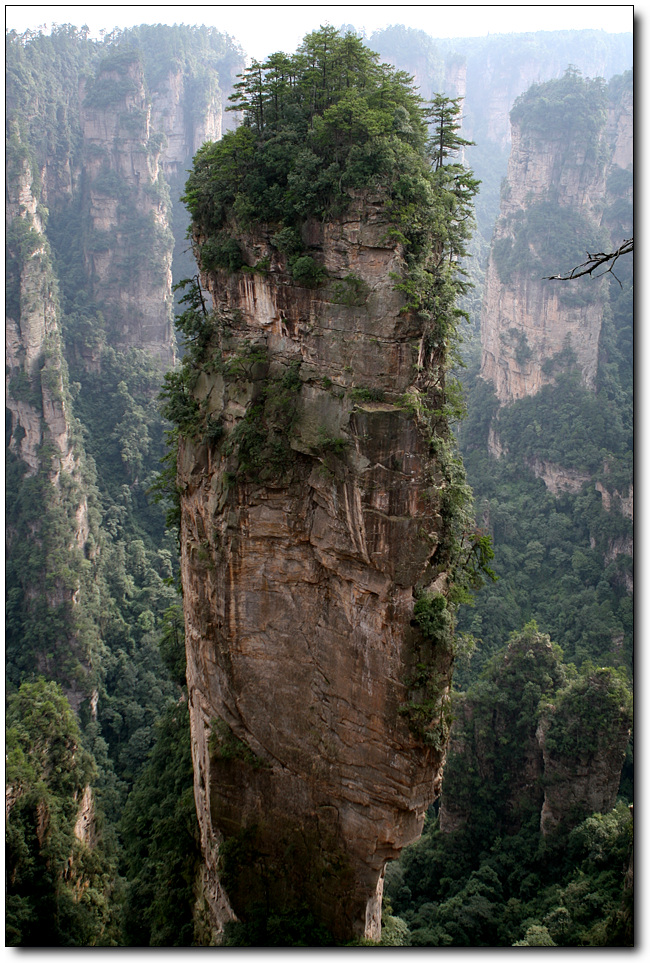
x,y
36,397
620,124
526,321
583,782
41,431
85,828
614,500
548,745
299,571
557,478
528,313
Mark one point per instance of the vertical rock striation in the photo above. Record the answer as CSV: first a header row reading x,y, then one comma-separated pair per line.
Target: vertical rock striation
x,y
299,572
128,207
42,436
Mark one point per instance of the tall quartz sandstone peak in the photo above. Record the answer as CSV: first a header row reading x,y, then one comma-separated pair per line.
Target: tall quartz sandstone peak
x,y
527,321
41,430
36,399
299,584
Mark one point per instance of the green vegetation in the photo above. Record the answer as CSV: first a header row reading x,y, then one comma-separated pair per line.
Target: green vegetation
x,y
545,240
491,878
99,617
318,126
352,290
587,712
61,890
572,109
553,552
160,836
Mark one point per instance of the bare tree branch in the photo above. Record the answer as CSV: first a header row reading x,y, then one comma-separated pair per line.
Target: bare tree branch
x,y
595,261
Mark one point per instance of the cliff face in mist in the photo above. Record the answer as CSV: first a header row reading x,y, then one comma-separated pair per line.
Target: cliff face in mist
x,y
526,320
128,209
41,431
556,187
35,397
491,72
299,577
92,146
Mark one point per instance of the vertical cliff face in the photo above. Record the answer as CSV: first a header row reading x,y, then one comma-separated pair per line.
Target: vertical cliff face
x,y
185,127
41,431
89,262
552,209
36,404
527,321
299,575
128,208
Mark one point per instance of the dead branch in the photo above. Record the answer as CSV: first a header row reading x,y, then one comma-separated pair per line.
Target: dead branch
x,y
595,261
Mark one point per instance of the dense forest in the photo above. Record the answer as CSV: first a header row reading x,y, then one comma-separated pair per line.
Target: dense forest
x,y
103,844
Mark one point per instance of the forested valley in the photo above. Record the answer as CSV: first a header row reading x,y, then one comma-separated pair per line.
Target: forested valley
x,y
530,843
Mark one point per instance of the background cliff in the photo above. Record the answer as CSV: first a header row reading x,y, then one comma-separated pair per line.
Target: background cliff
x,y
554,209
533,840
490,73
96,134
548,440
548,450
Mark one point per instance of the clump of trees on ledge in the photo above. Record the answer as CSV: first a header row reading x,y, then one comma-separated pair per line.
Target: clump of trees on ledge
x,y
320,124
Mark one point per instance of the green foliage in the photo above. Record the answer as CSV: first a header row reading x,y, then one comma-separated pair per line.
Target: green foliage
x,y
394,931
306,272
107,90
290,928
161,840
432,616
60,892
224,745
261,440
547,239
360,395
223,251
107,646
444,116
493,879
572,108
553,552
352,290
536,935
315,124
586,714
172,645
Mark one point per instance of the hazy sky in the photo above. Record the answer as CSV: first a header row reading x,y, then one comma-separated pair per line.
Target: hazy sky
x,y
264,28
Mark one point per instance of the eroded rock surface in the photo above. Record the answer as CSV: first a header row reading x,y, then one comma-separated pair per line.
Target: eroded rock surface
x,y
299,584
